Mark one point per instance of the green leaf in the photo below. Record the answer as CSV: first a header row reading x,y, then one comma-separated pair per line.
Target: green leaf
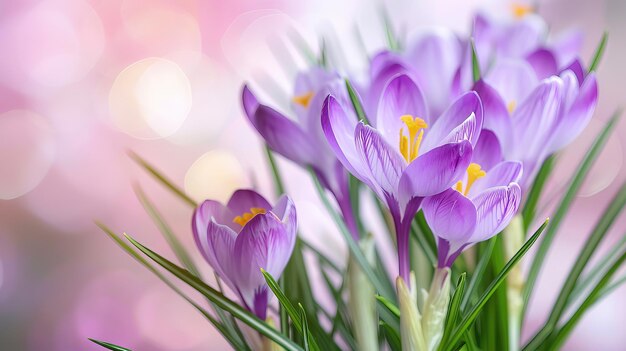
x,y
563,208
392,41
454,309
339,322
163,179
528,213
599,232
295,315
559,337
423,236
392,336
390,306
356,102
234,339
599,53
278,182
108,345
478,273
217,298
352,245
471,315
475,63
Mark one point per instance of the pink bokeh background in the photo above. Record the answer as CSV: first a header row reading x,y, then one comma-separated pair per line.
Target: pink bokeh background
x,y
84,81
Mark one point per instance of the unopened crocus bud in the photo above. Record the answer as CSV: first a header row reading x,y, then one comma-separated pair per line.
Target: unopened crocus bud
x,y
435,309
410,319
362,303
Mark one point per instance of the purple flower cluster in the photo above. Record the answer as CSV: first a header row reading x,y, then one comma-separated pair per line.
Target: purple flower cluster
x,y
462,151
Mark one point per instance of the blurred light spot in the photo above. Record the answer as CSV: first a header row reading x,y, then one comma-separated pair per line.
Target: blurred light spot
x,y
150,99
159,28
215,175
51,44
27,150
170,323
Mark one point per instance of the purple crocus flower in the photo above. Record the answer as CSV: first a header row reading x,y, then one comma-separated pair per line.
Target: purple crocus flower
x,y
532,118
405,156
302,140
480,205
244,236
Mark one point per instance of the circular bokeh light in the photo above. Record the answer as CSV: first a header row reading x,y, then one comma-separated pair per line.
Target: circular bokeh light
x,y
215,175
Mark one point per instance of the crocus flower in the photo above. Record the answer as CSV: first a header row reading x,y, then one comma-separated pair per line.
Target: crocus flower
x,y
239,239
480,205
302,140
531,118
405,156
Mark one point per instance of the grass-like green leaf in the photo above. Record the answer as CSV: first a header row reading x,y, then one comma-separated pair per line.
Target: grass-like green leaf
x,y
475,63
340,320
235,339
478,273
532,199
454,309
217,298
590,246
390,306
563,208
422,235
298,317
278,182
471,315
560,335
352,245
356,102
162,178
108,345
597,56
392,336
392,42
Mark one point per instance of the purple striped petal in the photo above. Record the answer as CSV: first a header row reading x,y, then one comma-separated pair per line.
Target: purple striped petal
x,y
400,97
543,63
450,215
243,200
284,136
512,79
578,70
497,117
503,174
458,113
495,208
285,210
435,171
384,163
487,152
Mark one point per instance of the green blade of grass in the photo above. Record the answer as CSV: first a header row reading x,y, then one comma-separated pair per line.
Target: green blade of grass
x,y
475,63
390,306
528,213
597,56
392,336
236,340
278,182
590,246
454,310
162,178
356,102
217,298
478,273
562,209
305,329
108,345
471,315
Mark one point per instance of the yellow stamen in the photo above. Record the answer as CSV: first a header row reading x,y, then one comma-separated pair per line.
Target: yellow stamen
x,y
409,146
511,106
247,216
521,10
303,100
474,172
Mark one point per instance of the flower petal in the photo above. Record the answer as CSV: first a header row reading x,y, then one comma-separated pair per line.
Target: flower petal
x,y
243,200
512,79
497,117
543,62
456,114
503,174
384,163
435,171
250,104
450,215
285,210
495,209
487,152
400,97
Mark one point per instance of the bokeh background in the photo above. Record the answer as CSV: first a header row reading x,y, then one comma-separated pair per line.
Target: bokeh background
x,y
84,81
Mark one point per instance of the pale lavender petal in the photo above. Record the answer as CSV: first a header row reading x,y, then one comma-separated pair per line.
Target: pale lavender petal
x,y
400,97
497,117
450,215
212,209
435,171
523,36
574,118
495,208
543,62
284,136
456,114
385,164
285,210
383,68
503,174
468,130
243,200
567,47
487,152
576,67
513,79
